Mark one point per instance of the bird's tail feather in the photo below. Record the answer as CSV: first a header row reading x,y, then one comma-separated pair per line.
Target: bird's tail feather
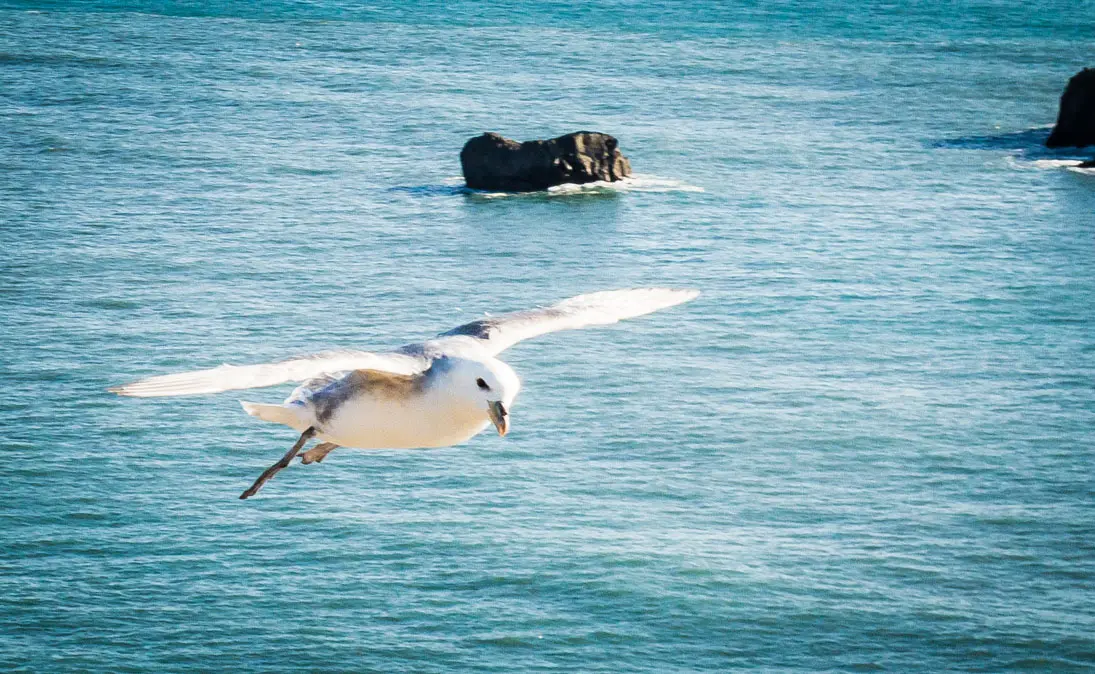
x,y
278,414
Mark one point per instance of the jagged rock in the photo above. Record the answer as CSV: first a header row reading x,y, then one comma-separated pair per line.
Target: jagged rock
x,y
491,162
1076,119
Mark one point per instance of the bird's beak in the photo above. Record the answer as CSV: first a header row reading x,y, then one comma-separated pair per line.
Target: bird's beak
x,y
498,416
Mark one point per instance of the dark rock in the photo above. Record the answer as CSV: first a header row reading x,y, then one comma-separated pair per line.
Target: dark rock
x,y
1090,163
1076,120
491,162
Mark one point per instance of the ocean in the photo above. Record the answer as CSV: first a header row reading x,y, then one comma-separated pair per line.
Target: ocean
x,y
867,446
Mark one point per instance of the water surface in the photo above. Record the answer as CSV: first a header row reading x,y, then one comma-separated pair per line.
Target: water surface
x,y
866,447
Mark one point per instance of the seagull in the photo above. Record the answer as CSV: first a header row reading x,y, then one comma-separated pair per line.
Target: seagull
x,y
436,393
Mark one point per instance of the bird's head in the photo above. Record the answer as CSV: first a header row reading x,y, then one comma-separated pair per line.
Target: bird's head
x,y
490,385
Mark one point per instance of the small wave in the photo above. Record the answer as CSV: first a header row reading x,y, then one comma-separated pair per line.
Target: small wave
x,y
1013,140
636,183
110,303
1026,149
301,170
1072,164
430,190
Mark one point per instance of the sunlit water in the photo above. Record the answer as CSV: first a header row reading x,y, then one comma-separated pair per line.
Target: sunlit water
x,y
867,446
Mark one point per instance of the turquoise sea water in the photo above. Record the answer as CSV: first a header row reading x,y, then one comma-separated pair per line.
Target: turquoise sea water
x,y
868,445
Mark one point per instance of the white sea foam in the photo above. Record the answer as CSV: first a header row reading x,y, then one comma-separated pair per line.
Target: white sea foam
x,y
635,183
1055,163
1044,164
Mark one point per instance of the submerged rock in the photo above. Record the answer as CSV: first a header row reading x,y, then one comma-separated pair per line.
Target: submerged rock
x,y
492,162
1076,119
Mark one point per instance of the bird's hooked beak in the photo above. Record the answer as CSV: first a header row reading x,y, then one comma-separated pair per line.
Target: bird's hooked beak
x,y
498,416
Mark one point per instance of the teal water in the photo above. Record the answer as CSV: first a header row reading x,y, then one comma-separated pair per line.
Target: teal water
x,y
867,446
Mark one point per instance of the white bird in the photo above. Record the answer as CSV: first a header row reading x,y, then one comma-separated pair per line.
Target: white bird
x,y
436,393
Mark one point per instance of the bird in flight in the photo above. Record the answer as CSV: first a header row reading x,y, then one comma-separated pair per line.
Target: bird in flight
x,y
435,393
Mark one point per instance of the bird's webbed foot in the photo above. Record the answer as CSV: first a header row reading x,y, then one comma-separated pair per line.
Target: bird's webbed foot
x,y
318,453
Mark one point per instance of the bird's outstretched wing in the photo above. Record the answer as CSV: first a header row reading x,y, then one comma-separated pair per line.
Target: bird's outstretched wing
x,y
233,377
498,333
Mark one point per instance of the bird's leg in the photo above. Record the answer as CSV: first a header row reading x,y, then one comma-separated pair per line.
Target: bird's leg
x,y
285,461
318,453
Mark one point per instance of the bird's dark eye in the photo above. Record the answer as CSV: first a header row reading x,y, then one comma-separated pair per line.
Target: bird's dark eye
x,y
482,384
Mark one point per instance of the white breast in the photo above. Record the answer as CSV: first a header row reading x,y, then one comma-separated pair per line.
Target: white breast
x,y
430,419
